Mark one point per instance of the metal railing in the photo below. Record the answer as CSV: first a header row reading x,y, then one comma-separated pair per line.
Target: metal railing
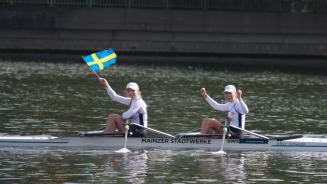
x,y
298,6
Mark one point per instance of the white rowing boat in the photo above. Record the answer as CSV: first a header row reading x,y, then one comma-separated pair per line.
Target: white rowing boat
x,y
190,141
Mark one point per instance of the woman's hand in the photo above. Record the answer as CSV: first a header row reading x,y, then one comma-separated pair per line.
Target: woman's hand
x,y
103,82
239,93
203,92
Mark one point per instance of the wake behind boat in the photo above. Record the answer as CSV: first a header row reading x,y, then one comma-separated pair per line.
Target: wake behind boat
x,y
99,140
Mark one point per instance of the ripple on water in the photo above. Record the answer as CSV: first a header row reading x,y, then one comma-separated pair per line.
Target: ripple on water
x,y
266,180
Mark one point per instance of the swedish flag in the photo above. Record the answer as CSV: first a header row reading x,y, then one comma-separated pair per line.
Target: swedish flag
x,y
100,60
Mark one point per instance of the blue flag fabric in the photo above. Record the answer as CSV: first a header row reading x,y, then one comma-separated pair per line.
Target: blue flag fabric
x,y
100,60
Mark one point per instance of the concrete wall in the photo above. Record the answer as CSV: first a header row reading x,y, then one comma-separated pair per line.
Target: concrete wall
x,y
162,31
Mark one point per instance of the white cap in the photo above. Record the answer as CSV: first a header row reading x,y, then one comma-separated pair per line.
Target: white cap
x,y
230,88
132,85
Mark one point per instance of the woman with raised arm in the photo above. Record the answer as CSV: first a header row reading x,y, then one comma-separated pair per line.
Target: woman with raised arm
x,y
137,110
235,108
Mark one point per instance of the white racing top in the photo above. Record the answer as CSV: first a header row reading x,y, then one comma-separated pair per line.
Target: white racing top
x,y
137,107
236,110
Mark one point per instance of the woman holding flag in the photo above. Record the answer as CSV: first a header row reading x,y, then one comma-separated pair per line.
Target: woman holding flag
x,y
137,108
137,111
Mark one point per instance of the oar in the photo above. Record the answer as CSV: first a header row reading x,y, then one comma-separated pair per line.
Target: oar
x,y
249,132
221,151
124,149
153,130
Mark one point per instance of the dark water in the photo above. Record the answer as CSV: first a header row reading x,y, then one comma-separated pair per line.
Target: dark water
x,y
59,99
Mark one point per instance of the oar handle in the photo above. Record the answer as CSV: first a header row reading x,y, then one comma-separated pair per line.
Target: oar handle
x,y
227,123
126,124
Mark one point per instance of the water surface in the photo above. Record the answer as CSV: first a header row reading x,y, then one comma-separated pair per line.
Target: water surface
x,y
62,98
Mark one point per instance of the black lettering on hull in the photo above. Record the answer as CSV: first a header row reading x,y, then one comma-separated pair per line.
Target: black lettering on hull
x,y
175,141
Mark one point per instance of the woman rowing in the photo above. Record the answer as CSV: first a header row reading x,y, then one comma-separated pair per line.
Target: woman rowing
x,y
235,107
137,109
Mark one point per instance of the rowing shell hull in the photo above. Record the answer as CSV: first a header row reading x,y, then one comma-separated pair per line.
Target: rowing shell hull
x,y
301,144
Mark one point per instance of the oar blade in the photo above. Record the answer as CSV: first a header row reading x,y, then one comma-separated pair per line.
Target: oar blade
x,y
220,152
123,150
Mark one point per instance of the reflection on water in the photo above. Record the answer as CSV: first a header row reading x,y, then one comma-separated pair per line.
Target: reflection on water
x,y
121,168
59,99
161,166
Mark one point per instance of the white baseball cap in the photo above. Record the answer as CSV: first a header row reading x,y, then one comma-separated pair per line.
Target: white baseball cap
x,y
132,85
230,88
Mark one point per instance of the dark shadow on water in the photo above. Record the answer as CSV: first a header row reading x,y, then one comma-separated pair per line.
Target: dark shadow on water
x,y
222,62
240,68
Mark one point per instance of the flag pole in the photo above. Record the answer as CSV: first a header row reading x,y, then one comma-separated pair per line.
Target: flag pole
x,y
96,74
